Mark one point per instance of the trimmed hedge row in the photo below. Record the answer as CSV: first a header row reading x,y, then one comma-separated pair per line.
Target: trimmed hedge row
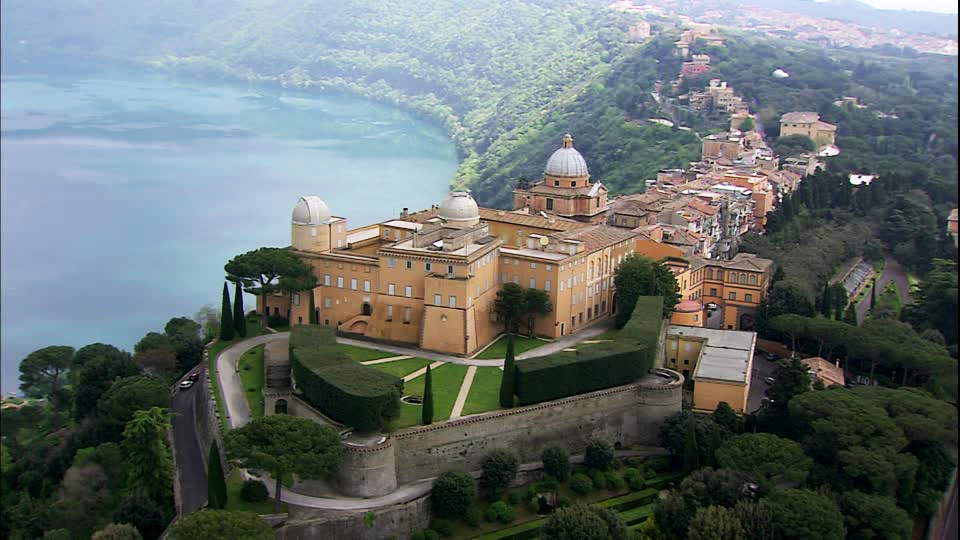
x,y
600,366
348,392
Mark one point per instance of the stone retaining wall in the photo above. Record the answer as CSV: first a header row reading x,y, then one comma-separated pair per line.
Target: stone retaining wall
x,y
396,521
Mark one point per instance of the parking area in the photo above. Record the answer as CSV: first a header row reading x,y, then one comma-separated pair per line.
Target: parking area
x,y
762,368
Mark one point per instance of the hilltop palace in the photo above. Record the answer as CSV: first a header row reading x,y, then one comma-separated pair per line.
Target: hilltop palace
x,y
429,278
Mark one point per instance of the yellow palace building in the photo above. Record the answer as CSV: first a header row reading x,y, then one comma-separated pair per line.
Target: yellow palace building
x,y
429,278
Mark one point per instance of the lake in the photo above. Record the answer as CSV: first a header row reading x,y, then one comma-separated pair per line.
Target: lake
x,y
123,197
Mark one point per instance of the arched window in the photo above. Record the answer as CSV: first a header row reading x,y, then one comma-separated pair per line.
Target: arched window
x,y
709,273
743,279
752,279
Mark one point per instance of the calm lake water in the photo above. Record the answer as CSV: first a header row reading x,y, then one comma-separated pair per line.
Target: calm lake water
x,y
123,198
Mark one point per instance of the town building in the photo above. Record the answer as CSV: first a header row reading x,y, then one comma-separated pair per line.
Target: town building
x,y
952,225
429,278
809,125
717,96
638,32
718,362
829,373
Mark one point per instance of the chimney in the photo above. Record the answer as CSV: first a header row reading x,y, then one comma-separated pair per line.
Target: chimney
x,y
405,213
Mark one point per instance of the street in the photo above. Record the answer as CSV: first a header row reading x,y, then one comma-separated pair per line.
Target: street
x,y
762,368
190,469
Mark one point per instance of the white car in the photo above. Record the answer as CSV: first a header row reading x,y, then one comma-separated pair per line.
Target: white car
x,y
186,384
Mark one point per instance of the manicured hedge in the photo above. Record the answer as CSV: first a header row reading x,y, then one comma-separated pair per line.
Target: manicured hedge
x,y
600,366
348,392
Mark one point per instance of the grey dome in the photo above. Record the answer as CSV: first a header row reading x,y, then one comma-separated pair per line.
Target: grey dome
x,y
566,161
311,210
459,206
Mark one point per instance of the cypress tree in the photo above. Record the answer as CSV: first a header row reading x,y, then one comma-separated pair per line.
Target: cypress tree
x,y
691,451
239,321
226,316
426,417
314,319
826,302
850,317
216,485
508,382
873,294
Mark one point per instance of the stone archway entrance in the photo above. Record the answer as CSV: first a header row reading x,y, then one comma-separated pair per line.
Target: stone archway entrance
x,y
280,407
367,309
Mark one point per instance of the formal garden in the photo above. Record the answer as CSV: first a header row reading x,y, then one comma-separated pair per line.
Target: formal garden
x,y
622,493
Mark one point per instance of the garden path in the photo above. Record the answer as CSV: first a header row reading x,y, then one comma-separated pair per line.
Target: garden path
x,y
464,392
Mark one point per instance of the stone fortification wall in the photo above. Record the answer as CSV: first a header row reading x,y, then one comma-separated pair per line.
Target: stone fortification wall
x,y
368,471
205,417
397,521
627,415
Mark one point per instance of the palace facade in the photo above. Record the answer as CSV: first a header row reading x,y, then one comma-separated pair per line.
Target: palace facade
x,y
429,278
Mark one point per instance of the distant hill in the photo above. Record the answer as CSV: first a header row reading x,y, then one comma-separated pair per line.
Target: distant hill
x,y
920,22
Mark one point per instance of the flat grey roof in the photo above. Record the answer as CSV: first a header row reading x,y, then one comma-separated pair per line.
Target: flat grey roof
x,y
726,355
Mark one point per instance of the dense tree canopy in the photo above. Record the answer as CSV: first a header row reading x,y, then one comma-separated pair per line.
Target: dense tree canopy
x,y
641,276
267,270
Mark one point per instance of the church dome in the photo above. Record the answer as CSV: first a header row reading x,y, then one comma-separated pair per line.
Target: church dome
x,y
566,161
459,207
311,210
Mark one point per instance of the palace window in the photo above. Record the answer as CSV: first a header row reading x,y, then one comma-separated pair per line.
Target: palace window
x,y
353,284
516,279
452,301
407,312
391,289
533,283
326,279
428,267
296,299
549,204
748,297
733,296
438,299
340,281
574,184
327,303
556,182
752,279
503,277
533,265
709,273
546,285
366,285
408,291
743,279
389,313
409,265
449,268
391,262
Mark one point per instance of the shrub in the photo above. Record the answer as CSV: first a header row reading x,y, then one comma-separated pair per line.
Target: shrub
x,y
598,455
634,479
599,479
615,481
533,505
499,469
616,464
546,485
515,497
274,321
348,392
649,474
581,483
503,512
425,534
600,366
254,491
490,514
442,526
453,493
563,501
556,462
658,463
473,516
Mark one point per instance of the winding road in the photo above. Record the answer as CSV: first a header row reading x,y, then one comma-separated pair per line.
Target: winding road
x,y
191,473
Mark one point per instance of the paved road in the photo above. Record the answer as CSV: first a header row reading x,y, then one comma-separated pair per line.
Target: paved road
x,y
234,400
190,469
892,270
762,368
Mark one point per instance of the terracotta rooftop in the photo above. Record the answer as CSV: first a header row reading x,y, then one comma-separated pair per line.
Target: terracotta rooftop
x,y
597,236
825,370
800,117
555,223
702,207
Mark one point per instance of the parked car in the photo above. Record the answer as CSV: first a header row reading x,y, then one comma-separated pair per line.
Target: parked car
x,y
186,384
771,356
770,380
194,376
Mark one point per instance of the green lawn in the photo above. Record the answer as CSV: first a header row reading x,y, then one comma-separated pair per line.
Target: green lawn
x,y
362,354
485,393
446,385
253,329
521,344
235,502
402,368
251,377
